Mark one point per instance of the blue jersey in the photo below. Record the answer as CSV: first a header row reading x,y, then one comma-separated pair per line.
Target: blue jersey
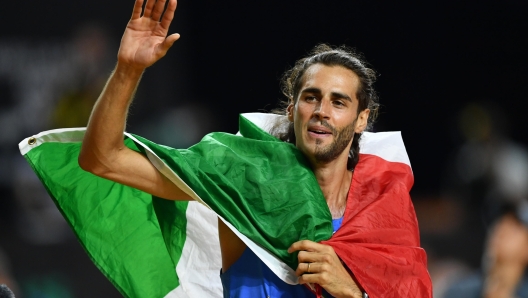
x,y
249,277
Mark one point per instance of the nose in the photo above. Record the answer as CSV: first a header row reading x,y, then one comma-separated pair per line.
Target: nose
x,y
322,109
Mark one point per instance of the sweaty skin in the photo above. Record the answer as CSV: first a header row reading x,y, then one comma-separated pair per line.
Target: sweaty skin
x,y
327,100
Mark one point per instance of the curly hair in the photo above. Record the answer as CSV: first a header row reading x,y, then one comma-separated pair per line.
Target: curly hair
x,y
292,81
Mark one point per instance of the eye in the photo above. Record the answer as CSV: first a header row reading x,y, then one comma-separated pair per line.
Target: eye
x,y
339,103
310,98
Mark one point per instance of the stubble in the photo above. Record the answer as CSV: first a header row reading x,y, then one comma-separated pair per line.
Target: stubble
x,y
342,138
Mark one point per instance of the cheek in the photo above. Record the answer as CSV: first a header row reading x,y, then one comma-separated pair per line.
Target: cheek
x,y
345,120
297,128
304,110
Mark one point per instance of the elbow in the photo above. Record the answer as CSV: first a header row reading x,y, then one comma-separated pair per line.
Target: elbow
x,y
90,163
85,163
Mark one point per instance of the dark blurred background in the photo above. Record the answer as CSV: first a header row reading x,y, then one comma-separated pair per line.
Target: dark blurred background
x,y
452,77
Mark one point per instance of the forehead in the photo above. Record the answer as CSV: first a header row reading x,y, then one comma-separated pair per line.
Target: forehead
x,y
331,79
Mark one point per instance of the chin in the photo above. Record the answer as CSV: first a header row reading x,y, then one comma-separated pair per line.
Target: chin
x,y
308,151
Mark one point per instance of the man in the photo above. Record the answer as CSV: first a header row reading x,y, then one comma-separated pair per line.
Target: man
x,y
328,110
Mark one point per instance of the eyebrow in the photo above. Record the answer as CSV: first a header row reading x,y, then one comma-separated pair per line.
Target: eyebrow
x,y
334,94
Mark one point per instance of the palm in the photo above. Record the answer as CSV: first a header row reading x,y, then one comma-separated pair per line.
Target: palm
x,y
145,39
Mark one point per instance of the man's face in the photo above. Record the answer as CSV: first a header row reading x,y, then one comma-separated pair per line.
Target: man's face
x,y
325,113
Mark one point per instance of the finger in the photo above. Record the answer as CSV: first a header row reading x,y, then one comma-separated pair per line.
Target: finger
x,y
168,15
303,245
158,10
316,268
310,257
167,43
136,13
304,268
148,8
311,278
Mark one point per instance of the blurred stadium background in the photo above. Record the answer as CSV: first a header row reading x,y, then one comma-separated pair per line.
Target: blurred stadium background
x,y
452,78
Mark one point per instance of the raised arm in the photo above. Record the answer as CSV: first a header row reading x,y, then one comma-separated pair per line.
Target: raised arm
x,y
103,152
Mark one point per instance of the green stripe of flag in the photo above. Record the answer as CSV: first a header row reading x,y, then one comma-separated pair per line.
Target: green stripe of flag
x,y
117,225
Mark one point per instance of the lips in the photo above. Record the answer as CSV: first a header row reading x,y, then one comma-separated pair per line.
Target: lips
x,y
320,130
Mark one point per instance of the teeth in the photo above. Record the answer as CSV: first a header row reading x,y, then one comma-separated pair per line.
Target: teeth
x,y
319,131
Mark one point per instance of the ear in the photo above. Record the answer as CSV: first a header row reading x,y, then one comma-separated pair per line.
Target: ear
x,y
289,111
362,121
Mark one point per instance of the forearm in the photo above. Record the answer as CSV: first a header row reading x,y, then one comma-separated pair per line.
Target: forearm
x,y
103,151
104,134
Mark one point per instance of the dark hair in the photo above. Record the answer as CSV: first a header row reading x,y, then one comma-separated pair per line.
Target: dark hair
x,y
292,80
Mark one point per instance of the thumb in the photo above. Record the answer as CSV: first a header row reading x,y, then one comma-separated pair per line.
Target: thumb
x,y
168,42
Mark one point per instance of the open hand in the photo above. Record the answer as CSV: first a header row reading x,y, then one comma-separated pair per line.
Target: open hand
x,y
145,40
319,264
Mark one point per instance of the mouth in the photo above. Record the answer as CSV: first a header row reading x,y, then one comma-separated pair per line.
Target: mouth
x,y
320,131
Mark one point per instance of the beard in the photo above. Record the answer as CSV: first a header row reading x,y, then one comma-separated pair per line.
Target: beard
x,y
342,138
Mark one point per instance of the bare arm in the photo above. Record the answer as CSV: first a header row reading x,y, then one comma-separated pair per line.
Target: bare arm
x,y
103,151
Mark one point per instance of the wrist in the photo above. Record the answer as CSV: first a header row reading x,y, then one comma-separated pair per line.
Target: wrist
x,y
128,71
354,293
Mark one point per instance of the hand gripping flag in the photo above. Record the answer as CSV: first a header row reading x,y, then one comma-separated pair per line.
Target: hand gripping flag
x,y
262,188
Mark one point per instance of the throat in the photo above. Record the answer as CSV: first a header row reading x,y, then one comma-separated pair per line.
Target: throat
x,y
335,191
337,211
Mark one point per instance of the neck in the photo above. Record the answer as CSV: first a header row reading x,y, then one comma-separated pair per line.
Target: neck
x,y
334,180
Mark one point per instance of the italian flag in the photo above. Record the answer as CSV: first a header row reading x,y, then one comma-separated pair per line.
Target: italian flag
x,y
261,187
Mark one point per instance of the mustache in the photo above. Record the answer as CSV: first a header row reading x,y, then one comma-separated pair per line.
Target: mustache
x,y
325,124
